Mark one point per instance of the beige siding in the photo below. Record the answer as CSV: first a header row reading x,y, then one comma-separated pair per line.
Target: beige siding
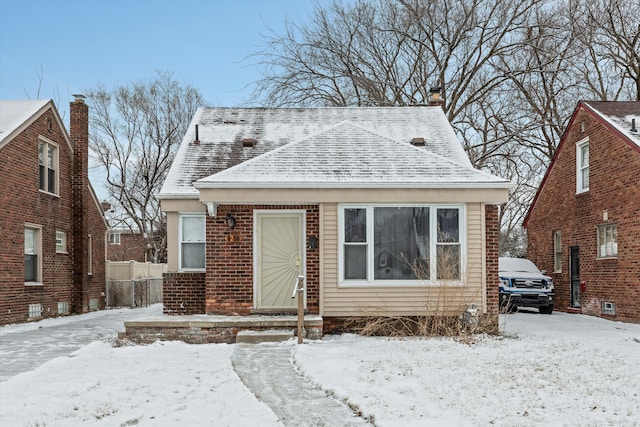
x,y
173,208
407,300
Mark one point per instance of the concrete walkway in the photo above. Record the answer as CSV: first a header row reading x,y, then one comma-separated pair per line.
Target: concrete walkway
x,y
267,371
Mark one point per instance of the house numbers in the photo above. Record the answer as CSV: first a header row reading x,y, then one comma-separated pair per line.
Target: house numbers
x,y
231,238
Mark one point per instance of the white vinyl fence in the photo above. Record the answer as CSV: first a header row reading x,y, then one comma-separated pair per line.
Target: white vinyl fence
x,y
134,284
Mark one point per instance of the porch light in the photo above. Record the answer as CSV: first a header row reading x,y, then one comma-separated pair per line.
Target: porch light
x,y
231,221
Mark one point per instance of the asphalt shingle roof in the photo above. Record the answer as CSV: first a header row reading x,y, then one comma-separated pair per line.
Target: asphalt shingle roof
x,y
620,115
322,147
14,113
348,155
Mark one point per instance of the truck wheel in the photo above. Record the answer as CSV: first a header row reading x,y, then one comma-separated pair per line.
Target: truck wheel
x,y
546,310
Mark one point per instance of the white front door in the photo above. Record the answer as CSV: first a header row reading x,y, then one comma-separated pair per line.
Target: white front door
x,y
279,257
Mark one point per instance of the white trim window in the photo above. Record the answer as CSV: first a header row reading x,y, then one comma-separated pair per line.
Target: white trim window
x,y
32,254
114,237
582,166
395,244
61,242
557,251
48,166
192,242
608,241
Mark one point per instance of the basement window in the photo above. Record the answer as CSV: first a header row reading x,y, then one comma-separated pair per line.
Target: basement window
x,y
93,304
608,308
35,311
63,307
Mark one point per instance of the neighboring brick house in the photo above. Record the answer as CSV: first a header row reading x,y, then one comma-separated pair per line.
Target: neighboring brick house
x,y
126,245
584,223
52,227
353,199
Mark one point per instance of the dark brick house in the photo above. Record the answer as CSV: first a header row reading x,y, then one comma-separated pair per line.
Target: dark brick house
x,y
584,223
126,245
52,227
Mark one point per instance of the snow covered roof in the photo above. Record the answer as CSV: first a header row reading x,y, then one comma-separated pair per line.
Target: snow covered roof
x,y
348,155
15,114
309,147
619,114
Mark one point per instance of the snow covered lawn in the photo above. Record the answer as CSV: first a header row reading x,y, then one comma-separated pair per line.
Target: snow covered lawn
x,y
546,370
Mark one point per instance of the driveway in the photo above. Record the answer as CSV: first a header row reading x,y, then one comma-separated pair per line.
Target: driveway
x,y
26,346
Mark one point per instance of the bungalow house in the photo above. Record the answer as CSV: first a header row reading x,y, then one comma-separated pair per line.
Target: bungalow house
x,y
584,223
52,228
379,209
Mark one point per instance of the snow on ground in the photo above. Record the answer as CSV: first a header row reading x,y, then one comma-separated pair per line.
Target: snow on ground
x,y
167,383
545,370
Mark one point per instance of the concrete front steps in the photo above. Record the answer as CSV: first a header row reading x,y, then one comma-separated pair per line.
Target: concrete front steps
x,y
209,329
269,335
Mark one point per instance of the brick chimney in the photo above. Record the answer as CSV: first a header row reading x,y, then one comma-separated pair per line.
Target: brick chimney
x,y
435,97
79,133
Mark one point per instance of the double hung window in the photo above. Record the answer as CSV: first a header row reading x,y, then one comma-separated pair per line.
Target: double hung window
x,y
557,251
582,166
400,244
192,242
608,241
61,242
48,161
32,254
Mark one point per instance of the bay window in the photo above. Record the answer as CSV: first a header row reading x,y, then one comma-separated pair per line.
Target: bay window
x,y
396,244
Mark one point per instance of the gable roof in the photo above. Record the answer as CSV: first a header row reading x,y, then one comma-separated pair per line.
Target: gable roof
x,y
615,115
348,155
15,116
220,133
618,116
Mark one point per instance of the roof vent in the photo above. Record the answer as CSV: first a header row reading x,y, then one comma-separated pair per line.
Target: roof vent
x,y
197,140
633,125
248,142
418,142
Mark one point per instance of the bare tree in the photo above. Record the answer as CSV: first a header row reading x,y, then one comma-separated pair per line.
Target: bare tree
x,y
610,41
511,71
135,132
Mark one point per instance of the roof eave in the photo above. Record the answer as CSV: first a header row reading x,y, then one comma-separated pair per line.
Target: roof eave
x,y
351,185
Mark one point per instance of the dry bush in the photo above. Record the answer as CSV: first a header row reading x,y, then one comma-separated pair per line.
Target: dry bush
x,y
445,312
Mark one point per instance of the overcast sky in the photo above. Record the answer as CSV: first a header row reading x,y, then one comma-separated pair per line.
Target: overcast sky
x,y
79,43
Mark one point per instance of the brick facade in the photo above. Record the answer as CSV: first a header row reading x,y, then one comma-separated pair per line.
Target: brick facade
x,y
22,203
228,288
132,247
492,236
183,293
613,198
